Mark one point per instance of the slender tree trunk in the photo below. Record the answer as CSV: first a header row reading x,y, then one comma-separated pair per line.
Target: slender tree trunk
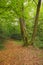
x,y
23,27
36,22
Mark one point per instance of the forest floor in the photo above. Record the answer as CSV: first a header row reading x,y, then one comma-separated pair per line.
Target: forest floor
x,y
14,54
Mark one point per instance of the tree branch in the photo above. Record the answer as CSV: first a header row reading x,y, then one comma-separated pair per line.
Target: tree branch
x,y
34,2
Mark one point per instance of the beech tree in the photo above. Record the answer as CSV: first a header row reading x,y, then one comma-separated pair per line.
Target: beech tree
x,y
23,26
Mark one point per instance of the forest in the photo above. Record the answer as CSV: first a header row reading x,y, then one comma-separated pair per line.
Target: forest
x,y
21,32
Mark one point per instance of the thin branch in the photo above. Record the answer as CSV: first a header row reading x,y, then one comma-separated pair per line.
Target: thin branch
x,y
34,2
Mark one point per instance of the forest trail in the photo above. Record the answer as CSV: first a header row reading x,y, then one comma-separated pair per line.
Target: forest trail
x,y
17,55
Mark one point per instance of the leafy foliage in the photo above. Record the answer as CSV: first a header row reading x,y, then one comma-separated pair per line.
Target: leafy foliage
x,y
11,10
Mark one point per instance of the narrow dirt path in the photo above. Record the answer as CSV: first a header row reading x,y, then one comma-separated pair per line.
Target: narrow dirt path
x,y
17,55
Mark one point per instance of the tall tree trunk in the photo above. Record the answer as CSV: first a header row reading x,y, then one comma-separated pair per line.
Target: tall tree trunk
x,y
36,22
23,27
